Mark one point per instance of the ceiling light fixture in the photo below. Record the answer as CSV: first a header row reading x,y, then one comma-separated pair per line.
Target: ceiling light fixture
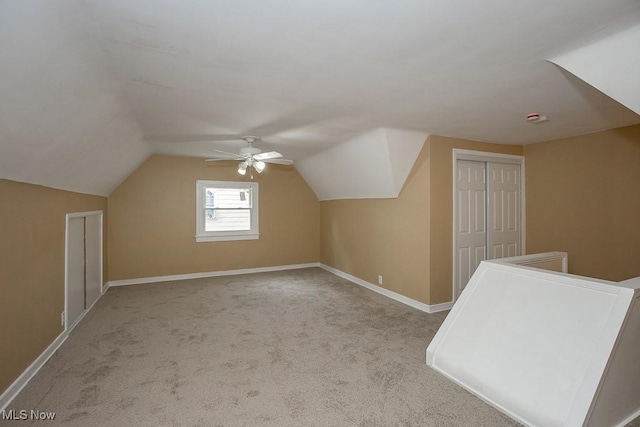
x,y
242,168
258,165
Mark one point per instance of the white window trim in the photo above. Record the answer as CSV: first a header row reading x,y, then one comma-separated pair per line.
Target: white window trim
x,y
220,236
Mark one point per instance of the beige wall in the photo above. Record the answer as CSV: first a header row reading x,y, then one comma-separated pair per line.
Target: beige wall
x,y
407,240
551,265
583,197
152,221
32,263
388,237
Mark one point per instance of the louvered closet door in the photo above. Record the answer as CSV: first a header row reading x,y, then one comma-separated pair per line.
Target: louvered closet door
x,y
470,219
503,215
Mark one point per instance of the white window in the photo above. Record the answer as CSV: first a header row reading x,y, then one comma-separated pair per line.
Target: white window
x,y
226,210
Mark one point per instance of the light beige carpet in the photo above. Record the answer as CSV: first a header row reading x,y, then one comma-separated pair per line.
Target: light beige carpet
x,y
293,348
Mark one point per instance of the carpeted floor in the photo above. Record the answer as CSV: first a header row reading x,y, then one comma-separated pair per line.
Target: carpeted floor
x,y
292,348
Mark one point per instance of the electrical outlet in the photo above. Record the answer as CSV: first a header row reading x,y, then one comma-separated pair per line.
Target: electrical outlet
x,y
379,280
62,318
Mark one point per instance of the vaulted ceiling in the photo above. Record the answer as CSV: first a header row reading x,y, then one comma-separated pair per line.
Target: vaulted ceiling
x,y
90,88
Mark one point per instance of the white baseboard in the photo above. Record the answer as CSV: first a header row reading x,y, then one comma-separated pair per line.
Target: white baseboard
x,y
69,328
187,276
398,297
386,292
628,419
17,386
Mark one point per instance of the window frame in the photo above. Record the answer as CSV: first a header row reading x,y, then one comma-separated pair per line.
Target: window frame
x,y
220,236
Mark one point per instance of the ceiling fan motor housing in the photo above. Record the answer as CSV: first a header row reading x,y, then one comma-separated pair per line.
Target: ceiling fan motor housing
x,y
249,151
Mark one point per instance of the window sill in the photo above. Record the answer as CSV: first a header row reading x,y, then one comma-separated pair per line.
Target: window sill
x,y
230,237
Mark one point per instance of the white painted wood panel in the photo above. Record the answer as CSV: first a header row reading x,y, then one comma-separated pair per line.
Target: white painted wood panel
x,y
618,398
546,348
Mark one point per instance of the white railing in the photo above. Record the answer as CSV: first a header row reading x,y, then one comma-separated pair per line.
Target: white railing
x,y
554,261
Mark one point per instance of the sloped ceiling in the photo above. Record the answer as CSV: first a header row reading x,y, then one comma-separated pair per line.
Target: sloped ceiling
x,y
64,122
90,87
611,64
374,165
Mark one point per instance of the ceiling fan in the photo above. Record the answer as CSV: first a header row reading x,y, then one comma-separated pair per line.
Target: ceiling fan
x,y
251,157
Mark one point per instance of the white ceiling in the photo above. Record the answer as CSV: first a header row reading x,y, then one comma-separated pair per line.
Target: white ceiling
x,y
90,88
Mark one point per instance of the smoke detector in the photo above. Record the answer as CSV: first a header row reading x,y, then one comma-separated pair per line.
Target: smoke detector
x,y
536,118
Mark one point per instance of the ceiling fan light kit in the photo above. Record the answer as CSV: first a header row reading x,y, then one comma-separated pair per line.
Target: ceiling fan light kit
x,y
258,166
242,168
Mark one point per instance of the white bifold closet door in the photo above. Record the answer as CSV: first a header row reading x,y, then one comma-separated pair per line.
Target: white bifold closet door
x,y
487,223
84,264
93,261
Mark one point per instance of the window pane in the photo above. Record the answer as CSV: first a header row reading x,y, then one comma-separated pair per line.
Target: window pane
x,y
232,220
228,197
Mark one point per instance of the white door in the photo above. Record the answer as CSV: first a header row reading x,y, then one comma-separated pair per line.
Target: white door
x,y
83,264
93,258
487,221
503,216
470,220
75,298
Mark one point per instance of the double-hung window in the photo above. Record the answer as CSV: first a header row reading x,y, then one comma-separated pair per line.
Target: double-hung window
x,y
226,210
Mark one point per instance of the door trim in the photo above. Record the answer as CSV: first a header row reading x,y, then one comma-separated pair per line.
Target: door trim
x,y
69,216
484,156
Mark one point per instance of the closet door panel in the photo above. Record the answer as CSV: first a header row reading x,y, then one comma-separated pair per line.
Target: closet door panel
x,y
75,270
93,254
470,219
503,214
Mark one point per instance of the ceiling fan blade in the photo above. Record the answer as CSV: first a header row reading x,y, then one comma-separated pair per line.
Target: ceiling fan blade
x,y
279,161
219,159
192,138
234,155
268,155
